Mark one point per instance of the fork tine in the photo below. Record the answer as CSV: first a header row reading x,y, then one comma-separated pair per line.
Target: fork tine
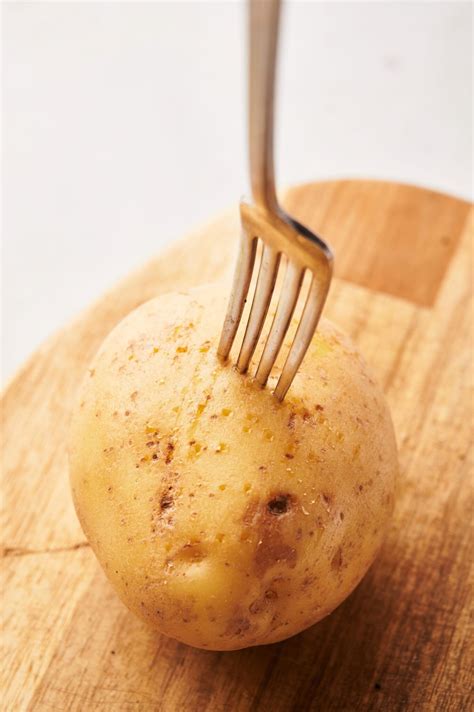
x,y
261,301
286,306
238,295
309,320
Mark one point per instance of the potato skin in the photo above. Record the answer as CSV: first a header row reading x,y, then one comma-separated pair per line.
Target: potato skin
x,y
222,517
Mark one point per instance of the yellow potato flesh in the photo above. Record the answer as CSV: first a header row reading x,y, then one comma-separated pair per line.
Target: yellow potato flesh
x,y
222,517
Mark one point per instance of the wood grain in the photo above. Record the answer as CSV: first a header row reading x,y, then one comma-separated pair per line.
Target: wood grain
x,y
402,640
394,209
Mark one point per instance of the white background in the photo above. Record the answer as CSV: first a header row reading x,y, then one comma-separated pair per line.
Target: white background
x,y
124,127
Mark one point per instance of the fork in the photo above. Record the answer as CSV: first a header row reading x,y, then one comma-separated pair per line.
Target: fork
x,y
280,234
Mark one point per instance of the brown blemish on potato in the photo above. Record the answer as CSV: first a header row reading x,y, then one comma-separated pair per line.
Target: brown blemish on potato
x,y
166,502
243,626
271,551
169,452
306,415
307,582
328,500
336,561
237,626
263,602
266,524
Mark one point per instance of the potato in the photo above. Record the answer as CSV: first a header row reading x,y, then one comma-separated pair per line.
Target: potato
x,y
224,518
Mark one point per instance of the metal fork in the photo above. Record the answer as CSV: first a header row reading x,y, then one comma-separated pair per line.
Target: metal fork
x,y
279,233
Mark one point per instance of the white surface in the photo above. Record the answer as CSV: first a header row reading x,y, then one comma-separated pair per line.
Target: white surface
x,y
124,127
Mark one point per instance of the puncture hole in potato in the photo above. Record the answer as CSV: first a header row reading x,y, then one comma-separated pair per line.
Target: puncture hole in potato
x,y
279,505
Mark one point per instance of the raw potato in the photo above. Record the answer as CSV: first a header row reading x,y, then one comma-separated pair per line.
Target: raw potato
x,y
223,518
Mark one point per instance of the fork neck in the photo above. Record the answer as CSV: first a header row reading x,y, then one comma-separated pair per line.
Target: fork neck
x,y
263,39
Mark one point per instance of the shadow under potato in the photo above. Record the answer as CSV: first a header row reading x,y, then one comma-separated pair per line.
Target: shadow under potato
x,y
308,671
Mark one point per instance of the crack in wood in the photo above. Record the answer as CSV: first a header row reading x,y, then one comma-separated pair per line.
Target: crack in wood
x,y
9,551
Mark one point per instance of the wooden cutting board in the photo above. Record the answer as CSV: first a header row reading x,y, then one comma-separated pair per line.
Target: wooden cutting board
x,y
401,641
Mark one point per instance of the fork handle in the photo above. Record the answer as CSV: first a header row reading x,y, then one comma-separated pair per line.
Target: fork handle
x,y
263,39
